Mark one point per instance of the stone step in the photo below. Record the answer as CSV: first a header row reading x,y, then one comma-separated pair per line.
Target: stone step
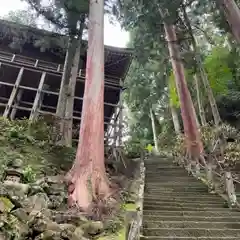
x,y
160,176
202,186
176,191
156,170
192,224
163,218
187,238
189,183
176,188
173,184
166,173
165,169
175,194
178,206
183,208
171,203
204,213
170,178
162,166
180,196
163,200
191,232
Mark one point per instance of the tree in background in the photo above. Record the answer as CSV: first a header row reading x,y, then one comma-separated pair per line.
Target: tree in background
x,y
25,17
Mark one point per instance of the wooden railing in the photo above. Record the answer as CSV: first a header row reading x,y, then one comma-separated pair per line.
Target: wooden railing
x,y
134,226
17,58
219,180
48,66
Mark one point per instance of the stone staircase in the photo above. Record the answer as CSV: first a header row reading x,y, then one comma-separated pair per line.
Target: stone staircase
x,y
178,206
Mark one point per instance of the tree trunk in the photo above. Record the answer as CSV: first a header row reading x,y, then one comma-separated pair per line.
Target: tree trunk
x,y
232,14
87,179
199,101
193,141
175,119
67,132
211,98
196,117
61,105
154,130
212,101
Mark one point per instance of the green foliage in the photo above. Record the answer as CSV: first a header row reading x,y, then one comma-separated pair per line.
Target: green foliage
x,y
31,143
25,17
219,73
173,95
29,175
134,149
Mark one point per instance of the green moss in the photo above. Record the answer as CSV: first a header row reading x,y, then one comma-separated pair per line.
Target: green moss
x,y
130,207
32,143
120,235
5,204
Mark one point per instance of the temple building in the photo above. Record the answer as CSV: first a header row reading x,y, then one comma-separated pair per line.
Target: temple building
x,y
30,76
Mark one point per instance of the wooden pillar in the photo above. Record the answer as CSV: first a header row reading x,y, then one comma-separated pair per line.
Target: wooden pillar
x,y
36,63
68,121
111,131
16,104
230,188
59,68
115,127
14,93
120,127
13,58
34,112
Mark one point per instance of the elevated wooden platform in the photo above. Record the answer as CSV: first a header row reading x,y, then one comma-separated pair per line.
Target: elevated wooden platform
x,y
30,79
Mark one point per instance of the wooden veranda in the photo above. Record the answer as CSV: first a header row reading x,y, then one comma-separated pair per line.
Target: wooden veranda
x,y
30,79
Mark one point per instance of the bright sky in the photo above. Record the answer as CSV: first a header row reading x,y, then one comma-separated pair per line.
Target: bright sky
x,y
114,36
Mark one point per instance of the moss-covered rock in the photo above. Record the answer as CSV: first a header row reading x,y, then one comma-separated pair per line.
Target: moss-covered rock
x,y
5,205
93,228
36,207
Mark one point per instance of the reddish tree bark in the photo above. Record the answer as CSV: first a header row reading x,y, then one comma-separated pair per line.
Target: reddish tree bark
x,y
193,141
87,178
232,13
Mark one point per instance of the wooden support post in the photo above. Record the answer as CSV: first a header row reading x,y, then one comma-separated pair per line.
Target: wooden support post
x,y
36,63
13,58
16,104
59,67
230,188
34,113
115,130
14,93
110,130
120,127
209,174
39,104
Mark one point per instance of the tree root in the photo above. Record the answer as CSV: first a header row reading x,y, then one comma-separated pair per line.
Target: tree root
x,y
86,187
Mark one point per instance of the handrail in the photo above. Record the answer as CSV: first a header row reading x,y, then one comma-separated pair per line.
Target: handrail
x,y
229,182
136,223
46,65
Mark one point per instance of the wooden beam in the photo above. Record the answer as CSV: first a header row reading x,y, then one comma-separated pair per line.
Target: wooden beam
x,y
53,93
17,102
14,93
44,106
33,114
107,82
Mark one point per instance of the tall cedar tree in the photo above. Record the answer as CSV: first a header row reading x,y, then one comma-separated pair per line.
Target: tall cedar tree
x,y
87,178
